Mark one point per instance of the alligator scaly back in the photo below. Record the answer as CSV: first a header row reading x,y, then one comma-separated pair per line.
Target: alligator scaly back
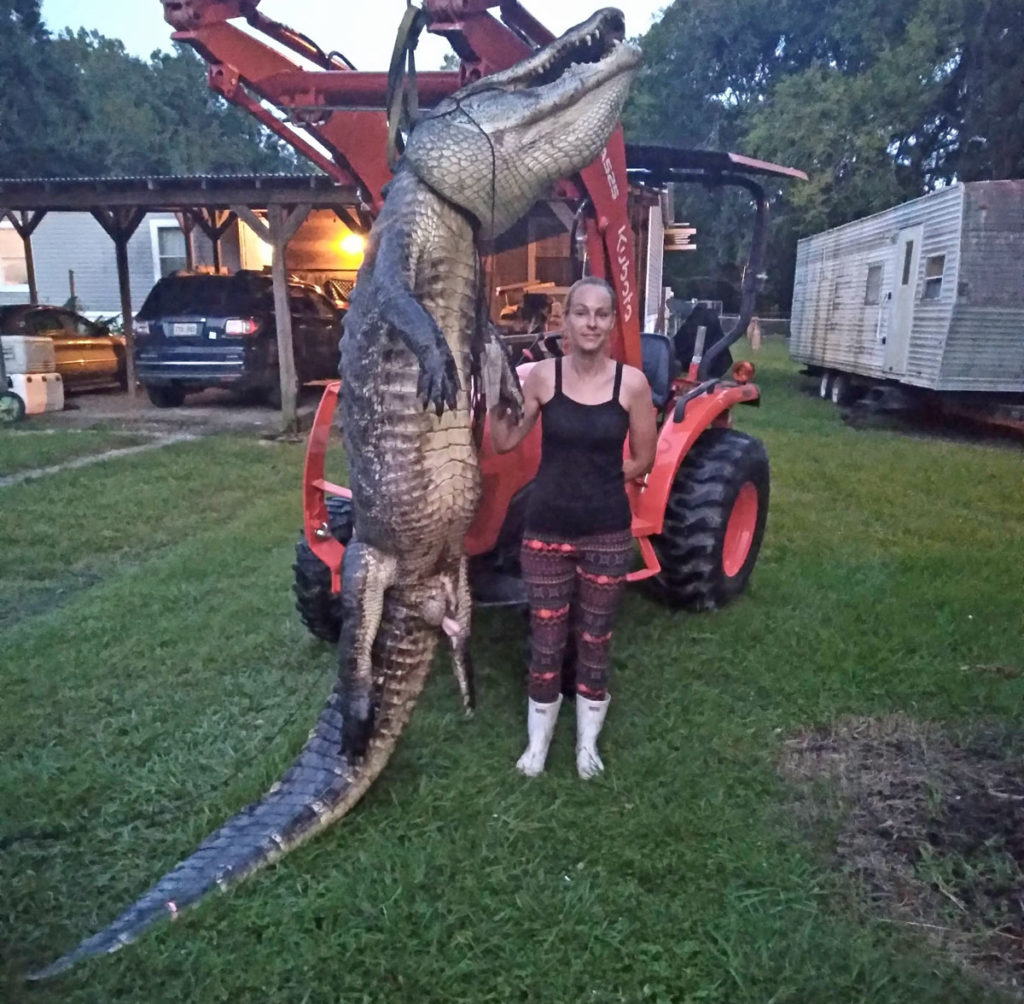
x,y
318,788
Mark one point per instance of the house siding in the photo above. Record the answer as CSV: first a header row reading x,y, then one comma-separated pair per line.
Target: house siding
x,y
75,242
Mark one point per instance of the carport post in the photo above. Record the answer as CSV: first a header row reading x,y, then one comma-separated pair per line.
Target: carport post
x,y
24,224
187,225
277,230
120,223
214,223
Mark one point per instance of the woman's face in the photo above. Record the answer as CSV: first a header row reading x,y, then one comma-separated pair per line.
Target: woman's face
x,y
589,319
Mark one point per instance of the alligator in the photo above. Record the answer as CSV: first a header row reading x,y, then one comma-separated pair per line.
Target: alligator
x,y
413,346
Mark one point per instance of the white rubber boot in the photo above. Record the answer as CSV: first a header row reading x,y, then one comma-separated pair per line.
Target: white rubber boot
x,y
589,720
540,727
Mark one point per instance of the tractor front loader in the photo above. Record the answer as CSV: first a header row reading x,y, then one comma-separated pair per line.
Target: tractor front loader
x,y
699,516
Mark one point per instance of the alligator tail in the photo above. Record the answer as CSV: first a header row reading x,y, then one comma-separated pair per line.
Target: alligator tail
x,y
318,789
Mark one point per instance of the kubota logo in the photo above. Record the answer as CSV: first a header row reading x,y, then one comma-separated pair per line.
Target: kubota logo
x,y
625,283
609,173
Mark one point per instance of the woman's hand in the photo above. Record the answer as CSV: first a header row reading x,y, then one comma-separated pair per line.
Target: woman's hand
x,y
506,431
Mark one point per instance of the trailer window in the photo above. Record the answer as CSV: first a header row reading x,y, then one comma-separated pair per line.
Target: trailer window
x,y
908,257
873,287
933,269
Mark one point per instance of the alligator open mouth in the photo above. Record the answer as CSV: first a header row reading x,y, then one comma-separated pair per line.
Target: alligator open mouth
x,y
591,45
593,41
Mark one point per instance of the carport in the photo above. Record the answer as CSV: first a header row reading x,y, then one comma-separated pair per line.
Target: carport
x,y
274,207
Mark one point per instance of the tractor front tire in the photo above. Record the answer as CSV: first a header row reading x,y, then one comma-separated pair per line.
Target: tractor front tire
x,y
319,608
714,521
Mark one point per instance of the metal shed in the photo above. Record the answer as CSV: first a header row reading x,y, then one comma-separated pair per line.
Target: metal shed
x,y
928,294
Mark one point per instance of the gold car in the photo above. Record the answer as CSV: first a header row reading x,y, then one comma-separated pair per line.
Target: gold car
x,y
88,355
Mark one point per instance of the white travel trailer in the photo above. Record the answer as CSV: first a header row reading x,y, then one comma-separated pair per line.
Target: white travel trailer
x,y
926,295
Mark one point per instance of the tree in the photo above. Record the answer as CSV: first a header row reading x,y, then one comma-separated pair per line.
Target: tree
x,y
982,101
877,101
80,105
159,117
39,100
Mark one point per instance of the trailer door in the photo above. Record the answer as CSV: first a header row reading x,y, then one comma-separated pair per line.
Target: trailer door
x,y
901,307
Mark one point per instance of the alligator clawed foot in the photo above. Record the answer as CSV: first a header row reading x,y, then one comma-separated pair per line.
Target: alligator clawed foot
x,y
356,729
438,383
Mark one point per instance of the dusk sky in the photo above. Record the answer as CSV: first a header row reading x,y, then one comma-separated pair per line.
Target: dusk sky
x,y
364,32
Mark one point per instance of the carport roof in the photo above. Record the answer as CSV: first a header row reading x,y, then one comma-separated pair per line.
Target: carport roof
x,y
174,192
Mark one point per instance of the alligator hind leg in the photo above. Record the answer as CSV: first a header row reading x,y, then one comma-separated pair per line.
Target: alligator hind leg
x,y
461,662
366,573
446,603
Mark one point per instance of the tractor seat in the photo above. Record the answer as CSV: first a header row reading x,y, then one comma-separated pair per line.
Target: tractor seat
x,y
657,363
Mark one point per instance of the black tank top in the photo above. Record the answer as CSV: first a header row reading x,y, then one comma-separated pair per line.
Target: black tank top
x,y
579,488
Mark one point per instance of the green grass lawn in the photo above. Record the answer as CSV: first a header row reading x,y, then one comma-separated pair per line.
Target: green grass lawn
x,y
155,678
25,448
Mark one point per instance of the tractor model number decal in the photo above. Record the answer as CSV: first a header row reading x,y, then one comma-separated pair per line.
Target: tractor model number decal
x,y
609,173
625,284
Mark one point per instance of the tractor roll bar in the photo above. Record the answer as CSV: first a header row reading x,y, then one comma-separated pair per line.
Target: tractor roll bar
x,y
652,163
751,274
755,259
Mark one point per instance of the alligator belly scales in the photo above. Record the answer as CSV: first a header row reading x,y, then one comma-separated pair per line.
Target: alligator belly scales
x,y
415,335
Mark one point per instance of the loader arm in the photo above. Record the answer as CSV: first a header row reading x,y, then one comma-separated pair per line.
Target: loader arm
x,y
335,115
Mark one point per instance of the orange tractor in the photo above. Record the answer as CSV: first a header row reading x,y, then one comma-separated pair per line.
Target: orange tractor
x,y
700,515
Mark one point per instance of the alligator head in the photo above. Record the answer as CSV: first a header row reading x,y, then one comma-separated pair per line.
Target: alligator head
x,y
496,144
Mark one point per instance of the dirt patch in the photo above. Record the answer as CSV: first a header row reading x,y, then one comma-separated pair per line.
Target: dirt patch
x,y
932,827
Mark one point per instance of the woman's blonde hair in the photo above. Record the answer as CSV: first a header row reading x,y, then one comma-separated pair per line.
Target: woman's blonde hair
x,y
592,280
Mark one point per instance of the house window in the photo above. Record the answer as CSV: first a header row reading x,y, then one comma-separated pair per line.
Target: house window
x,y
168,247
933,269
873,286
13,271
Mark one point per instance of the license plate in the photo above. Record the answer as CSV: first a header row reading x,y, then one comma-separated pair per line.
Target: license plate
x,y
184,329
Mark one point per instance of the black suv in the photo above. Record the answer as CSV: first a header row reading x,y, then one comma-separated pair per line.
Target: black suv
x,y
199,331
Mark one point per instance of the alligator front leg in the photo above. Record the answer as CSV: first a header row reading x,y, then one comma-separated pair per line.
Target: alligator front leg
x,y
366,573
438,381
499,380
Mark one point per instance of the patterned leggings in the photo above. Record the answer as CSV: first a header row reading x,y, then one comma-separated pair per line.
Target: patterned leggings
x,y
575,583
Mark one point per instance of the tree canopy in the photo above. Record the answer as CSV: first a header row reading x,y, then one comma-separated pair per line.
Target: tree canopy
x,y
877,101
77,105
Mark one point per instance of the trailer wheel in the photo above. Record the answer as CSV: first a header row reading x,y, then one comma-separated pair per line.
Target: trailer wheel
x,y
318,607
714,521
842,392
825,385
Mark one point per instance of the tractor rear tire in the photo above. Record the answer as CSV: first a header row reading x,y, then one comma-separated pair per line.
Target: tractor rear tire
x,y
319,608
714,521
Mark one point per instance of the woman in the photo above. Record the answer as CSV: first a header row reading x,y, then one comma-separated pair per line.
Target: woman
x,y
577,547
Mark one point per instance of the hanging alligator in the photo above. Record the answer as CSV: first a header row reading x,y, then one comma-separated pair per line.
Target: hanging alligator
x,y
412,347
